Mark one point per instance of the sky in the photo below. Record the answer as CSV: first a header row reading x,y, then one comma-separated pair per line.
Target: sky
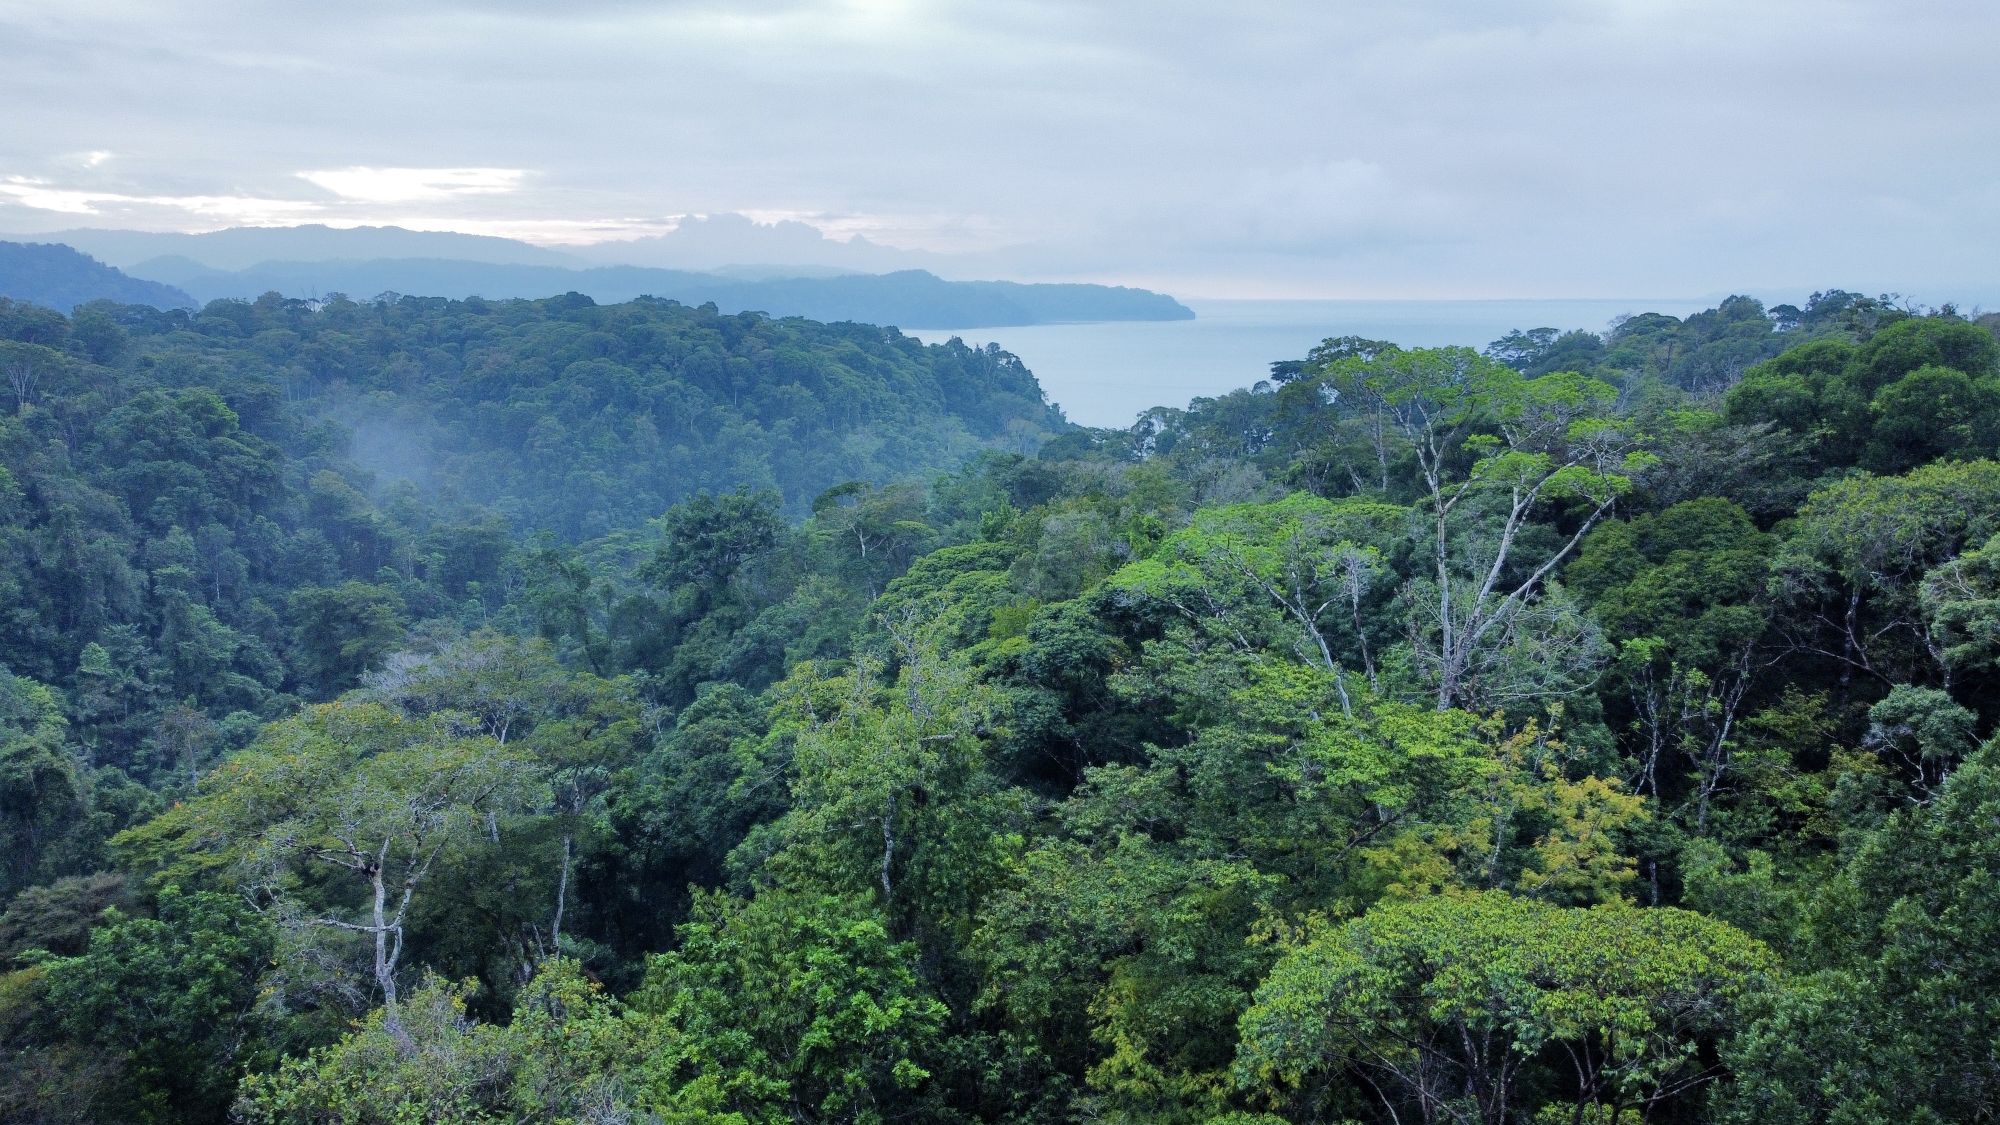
x,y
1258,148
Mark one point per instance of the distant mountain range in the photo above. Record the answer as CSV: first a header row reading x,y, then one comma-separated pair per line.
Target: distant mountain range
x,y
243,247
60,278
708,244
785,269
906,298
716,242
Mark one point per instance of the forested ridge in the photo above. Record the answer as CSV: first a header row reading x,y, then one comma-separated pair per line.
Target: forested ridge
x,y
910,298
419,710
59,277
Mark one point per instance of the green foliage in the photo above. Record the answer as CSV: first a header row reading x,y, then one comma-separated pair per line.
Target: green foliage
x,y
58,917
335,821
1899,1020
790,1007
561,1059
256,503
888,794
1920,388
1933,412
1961,607
1397,741
55,811
1487,1007
173,1000
581,418
1853,567
343,631
1310,573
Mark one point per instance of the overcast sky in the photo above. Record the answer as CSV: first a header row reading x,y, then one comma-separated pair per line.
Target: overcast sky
x,y
1257,147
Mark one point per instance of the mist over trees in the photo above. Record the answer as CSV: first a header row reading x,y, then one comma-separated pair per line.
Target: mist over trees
x,y
423,710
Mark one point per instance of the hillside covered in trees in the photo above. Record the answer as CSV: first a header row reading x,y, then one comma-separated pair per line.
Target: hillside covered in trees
x,y
59,278
909,298
543,711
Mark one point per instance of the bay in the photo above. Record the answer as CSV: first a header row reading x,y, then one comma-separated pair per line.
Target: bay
x,y
1107,373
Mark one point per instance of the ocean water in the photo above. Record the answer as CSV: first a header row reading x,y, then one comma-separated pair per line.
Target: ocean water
x,y
1106,374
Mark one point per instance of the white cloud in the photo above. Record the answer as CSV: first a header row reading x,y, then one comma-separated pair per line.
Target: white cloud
x,y
42,197
413,185
247,210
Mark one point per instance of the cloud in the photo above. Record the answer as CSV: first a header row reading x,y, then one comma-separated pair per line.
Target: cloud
x,y
246,210
1327,207
1381,146
412,185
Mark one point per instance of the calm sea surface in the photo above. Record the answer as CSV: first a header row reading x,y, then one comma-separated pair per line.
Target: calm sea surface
x,y
1106,374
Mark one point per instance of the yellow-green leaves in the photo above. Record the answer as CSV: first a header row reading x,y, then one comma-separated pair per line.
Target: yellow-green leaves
x,y
336,784
1515,819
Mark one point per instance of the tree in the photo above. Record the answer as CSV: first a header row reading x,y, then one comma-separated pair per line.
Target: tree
x,y
175,998
576,727
1923,732
1961,607
24,368
1931,413
1124,941
1520,822
707,539
570,1053
1317,565
1900,1018
791,1008
1918,386
1853,568
874,532
1682,593
704,787
888,794
55,811
1530,443
1490,1009
1519,350
58,917
339,799
342,631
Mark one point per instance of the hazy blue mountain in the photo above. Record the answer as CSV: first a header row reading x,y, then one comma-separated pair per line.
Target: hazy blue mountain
x,y
709,242
907,298
730,244
724,243
242,247
60,278
754,271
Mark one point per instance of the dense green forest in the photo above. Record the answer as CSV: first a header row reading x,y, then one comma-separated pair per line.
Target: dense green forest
x,y
442,711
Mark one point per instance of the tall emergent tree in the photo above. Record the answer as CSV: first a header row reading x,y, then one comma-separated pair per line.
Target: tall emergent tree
x,y
337,817
1493,450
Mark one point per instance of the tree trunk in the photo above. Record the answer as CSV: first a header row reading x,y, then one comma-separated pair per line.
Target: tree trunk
x,y
385,958
562,895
